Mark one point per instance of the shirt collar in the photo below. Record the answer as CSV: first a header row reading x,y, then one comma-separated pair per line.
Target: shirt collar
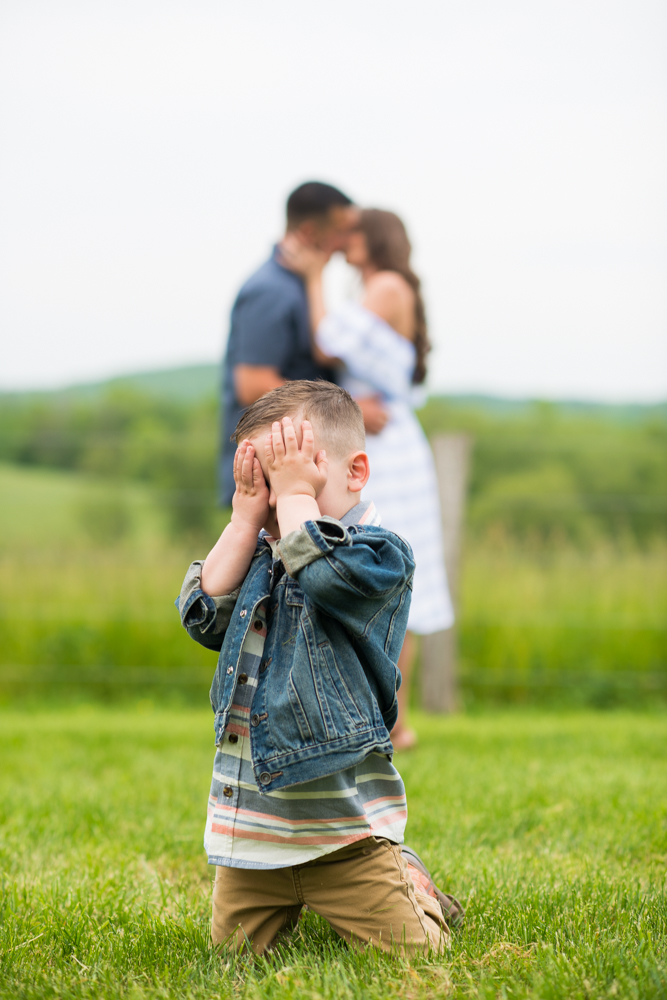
x,y
365,512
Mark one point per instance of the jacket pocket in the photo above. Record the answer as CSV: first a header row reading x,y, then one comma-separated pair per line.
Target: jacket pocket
x,y
344,703
299,712
293,594
289,612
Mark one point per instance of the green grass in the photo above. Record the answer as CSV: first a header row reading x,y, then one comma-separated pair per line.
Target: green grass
x,y
551,827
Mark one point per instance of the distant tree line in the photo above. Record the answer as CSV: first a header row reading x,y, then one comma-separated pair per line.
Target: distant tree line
x,y
540,472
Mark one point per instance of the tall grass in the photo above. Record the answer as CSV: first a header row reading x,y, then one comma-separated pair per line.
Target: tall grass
x,y
563,624
81,610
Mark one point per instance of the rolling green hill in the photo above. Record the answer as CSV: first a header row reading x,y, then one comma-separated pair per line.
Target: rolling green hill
x,y
198,382
185,384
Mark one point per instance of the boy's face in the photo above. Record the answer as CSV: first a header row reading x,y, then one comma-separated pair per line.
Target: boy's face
x,y
334,499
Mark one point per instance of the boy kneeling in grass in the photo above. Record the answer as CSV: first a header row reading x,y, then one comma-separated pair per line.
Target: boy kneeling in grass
x,y
306,597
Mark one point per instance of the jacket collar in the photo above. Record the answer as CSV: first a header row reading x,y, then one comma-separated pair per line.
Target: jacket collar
x,y
364,512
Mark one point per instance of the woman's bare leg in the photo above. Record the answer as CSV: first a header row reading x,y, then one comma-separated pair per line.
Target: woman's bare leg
x,y
402,737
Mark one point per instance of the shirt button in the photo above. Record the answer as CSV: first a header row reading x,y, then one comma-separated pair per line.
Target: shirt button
x,y
228,791
254,721
243,678
257,625
243,613
233,738
265,778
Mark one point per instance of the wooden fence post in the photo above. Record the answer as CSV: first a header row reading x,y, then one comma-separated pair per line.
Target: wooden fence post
x,y
438,650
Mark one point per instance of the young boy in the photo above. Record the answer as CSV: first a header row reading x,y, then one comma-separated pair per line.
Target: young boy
x,y
306,597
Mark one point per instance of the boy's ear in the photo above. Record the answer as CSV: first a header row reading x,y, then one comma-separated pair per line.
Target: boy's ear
x,y
358,471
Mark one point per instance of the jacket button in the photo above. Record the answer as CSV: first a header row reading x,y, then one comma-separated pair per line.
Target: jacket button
x,y
243,678
254,721
230,670
265,778
228,791
243,613
233,737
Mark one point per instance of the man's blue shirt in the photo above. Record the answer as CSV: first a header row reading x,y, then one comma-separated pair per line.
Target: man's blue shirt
x,y
269,326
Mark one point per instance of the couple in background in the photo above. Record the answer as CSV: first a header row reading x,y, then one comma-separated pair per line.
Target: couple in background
x,y
376,349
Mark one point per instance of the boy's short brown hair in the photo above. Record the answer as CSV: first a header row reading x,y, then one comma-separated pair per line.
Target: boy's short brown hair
x,y
336,418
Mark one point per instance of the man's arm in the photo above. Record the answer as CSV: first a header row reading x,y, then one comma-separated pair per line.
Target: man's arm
x,y
261,340
252,381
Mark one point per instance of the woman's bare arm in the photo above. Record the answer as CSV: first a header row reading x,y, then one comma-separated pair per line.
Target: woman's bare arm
x,y
317,311
309,263
316,306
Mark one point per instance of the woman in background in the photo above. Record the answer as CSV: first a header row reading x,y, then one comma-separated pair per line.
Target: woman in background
x,y
380,347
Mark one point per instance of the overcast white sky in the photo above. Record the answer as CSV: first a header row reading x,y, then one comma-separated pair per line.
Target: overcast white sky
x,y
148,147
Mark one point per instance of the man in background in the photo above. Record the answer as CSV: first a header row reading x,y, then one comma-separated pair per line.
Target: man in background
x,y
270,336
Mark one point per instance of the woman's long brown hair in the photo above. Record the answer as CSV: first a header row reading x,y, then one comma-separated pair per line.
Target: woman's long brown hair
x,y
389,249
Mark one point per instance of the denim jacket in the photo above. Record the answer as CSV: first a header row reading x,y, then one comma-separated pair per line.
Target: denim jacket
x,y
326,690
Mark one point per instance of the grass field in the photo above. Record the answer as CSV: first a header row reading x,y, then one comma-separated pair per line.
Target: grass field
x,y
551,827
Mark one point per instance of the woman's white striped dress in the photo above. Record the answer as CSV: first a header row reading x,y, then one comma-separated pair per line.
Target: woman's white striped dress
x,y
375,359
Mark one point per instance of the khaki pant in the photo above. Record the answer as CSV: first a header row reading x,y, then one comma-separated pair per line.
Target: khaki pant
x,y
364,891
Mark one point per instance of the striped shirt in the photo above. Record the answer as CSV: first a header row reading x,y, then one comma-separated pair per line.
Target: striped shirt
x,y
249,829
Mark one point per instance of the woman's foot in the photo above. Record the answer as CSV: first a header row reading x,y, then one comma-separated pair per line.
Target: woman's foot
x,y
403,738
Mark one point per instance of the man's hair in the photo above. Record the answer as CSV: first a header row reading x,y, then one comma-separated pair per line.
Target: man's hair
x,y
336,418
313,200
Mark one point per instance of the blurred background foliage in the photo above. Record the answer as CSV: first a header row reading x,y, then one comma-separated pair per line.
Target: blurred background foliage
x,y
107,492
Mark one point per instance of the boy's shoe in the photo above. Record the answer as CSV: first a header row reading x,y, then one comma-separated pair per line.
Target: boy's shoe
x,y
452,910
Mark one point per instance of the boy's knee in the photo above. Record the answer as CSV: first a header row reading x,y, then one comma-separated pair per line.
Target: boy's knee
x,y
254,931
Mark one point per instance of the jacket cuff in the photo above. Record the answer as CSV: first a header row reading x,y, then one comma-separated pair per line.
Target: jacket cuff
x,y
200,610
311,541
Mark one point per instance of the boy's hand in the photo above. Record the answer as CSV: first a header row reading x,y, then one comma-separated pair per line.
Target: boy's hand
x,y
295,471
227,563
250,502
